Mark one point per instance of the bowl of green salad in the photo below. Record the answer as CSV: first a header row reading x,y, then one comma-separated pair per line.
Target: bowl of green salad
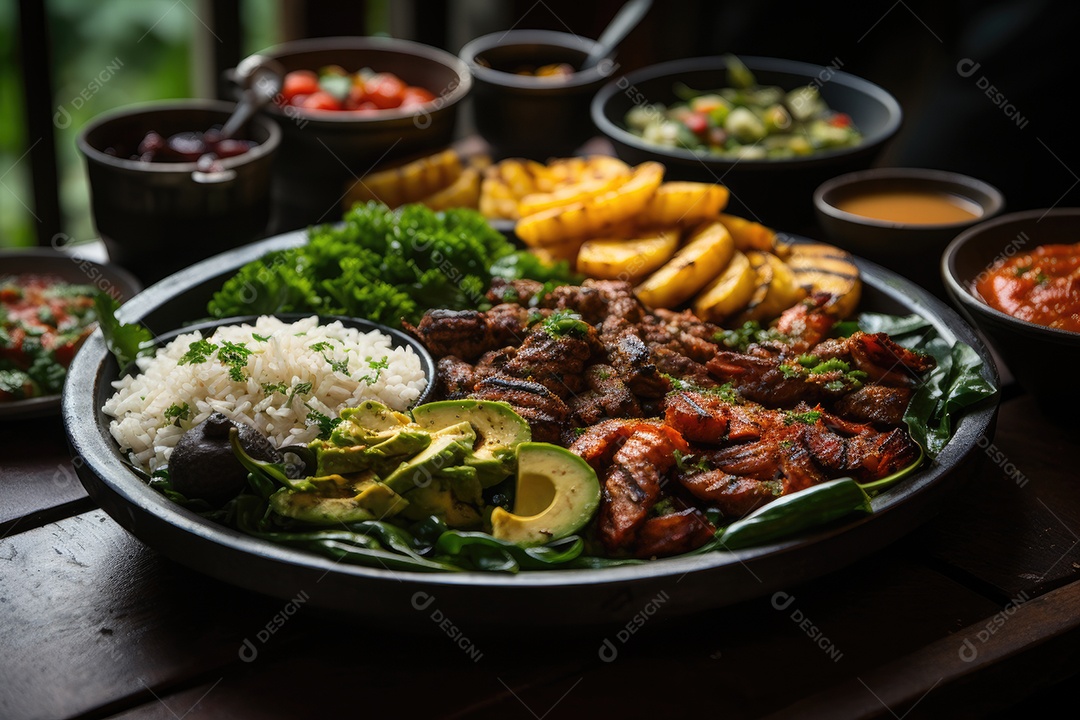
x,y
769,129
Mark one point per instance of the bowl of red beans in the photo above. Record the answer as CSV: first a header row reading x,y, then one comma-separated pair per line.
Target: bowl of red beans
x,y
1017,278
167,189
348,105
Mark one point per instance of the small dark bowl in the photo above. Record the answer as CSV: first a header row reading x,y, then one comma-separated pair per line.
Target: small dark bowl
x,y
774,191
106,277
156,218
911,249
324,152
523,116
1040,358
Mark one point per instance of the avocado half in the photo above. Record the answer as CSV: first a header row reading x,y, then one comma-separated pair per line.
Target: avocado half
x,y
557,494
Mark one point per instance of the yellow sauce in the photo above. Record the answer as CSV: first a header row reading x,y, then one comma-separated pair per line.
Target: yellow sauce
x,y
911,207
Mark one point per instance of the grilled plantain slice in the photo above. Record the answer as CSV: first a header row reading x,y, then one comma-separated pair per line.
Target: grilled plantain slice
x,y
776,290
630,260
684,203
820,267
729,293
707,252
749,235
463,192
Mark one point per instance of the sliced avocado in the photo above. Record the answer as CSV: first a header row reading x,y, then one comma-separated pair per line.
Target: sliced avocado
x,y
419,471
361,424
464,484
498,430
557,494
403,442
356,458
336,499
439,500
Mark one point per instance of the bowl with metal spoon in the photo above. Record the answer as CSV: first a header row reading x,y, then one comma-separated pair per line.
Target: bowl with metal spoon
x,y
176,181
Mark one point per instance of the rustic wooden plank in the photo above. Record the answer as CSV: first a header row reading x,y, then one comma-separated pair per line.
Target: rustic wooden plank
x,y
986,667
734,658
1016,529
89,615
37,481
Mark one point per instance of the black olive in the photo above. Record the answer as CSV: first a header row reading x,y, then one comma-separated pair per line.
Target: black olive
x,y
202,465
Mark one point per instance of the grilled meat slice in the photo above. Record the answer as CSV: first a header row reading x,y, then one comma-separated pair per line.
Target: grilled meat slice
x,y
681,333
806,323
877,404
733,495
456,378
673,534
632,360
545,411
468,334
711,419
612,394
598,444
866,454
596,300
553,360
771,379
514,291
632,484
882,359
677,365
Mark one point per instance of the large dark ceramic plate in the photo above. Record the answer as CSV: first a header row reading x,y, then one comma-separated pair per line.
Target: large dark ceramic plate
x,y
563,597
43,261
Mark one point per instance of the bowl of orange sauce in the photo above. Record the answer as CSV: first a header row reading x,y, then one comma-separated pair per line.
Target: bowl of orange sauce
x,y
1017,278
903,218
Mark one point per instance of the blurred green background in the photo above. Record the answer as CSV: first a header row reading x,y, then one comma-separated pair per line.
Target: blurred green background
x,y
145,49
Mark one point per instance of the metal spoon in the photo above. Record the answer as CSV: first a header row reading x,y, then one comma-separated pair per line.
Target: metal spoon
x,y
260,80
625,20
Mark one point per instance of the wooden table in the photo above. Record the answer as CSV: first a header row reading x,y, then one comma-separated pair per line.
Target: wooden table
x,y
973,614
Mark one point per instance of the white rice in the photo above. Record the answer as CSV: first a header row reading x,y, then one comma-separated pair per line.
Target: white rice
x,y
285,358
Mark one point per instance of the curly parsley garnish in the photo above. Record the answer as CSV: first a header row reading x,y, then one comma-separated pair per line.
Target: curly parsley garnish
x,y
326,424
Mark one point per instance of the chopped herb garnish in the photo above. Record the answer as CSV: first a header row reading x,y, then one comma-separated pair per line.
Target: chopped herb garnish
x,y
790,371
1022,270
563,322
302,388
198,352
235,356
176,413
807,418
259,337
326,424
748,334
378,366
271,388
321,346
725,392
809,361
1041,278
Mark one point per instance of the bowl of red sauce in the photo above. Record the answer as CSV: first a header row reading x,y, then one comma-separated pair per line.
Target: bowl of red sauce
x,y
903,218
1017,278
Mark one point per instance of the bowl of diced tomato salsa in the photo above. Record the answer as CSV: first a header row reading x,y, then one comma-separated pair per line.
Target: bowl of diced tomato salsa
x,y
348,104
47,310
